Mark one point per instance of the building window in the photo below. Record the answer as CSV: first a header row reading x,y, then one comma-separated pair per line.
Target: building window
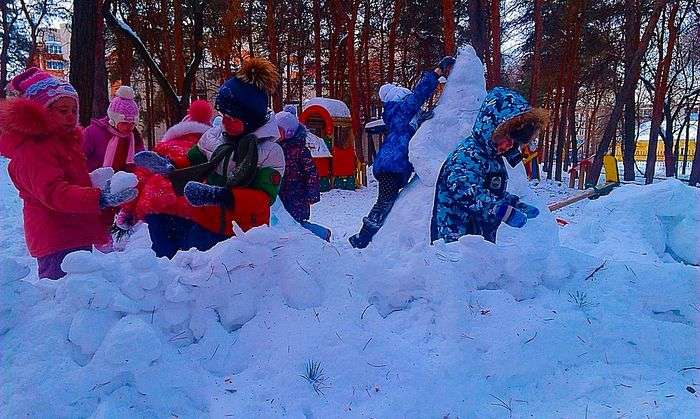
x,y
54,65
54,48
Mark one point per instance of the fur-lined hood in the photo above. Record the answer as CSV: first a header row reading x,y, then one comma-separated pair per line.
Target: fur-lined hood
x,y
23,120
502,111
184,128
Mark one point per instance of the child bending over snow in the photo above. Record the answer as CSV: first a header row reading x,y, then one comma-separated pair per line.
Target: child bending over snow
x,y
40,135
470,194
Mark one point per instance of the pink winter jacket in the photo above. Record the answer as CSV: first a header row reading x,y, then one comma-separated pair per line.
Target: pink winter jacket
x,y
95,139
61,208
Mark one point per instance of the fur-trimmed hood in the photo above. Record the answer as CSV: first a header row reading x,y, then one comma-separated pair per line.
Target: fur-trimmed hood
x,y
502,111
184,128
22,120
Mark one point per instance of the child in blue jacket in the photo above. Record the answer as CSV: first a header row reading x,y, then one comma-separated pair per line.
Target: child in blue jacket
x,y
391,166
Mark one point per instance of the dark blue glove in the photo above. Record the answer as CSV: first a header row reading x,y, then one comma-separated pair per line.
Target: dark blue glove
x,y
445,65
200,194
109,199
529,210
153,162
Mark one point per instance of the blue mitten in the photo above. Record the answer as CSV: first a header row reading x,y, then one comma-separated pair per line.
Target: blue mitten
x,y
153,162
109,199
511,216
200,194
517,219
529,210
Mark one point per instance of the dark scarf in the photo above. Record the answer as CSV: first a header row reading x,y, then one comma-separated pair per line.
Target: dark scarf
x,y
243,150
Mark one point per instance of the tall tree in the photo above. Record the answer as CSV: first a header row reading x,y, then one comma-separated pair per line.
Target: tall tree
x,y
273,47
661,83
318,80
9,17
493,66
178,103
629,143
83,66
478,27
536,54
395,19
630,81
448,17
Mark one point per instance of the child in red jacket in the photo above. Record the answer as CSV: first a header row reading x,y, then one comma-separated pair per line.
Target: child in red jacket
x,y
40,134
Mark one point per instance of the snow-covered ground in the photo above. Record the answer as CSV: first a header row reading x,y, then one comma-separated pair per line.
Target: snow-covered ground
x,y
594,319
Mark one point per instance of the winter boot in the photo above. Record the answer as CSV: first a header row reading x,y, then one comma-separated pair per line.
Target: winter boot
x,y
362,239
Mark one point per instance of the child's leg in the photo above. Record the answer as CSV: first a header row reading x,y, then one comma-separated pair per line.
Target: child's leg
x,y
50,266
389,186
319,230
165,235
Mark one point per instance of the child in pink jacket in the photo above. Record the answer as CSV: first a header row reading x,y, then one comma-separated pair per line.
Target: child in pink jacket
x,y
112,141
39,132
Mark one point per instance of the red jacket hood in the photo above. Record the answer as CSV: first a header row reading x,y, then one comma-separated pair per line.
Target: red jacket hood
x,y
22,120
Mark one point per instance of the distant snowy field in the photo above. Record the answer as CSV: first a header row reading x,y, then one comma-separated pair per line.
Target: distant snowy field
x,y
595,319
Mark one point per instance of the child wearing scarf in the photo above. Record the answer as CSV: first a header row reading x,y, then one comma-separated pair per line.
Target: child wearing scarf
x,y
112,141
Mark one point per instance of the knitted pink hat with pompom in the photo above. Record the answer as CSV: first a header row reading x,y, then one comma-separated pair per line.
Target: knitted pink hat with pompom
x,y
123,107
40,87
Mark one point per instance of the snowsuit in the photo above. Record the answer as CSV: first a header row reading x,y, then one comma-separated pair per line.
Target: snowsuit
x,y
300,184
471,187
175,225
61,208
96,138
391,166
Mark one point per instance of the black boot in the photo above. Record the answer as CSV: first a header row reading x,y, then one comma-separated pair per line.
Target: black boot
x,y
362,239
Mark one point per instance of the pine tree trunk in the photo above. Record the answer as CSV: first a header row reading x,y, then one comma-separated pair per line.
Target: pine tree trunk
x,y
271,20
695,171
318,82
494,69
478,27
179,45
628,87
669,156
448,17
661,83
536,54
100,98
395,19
632,26
352,74
83,38
7,24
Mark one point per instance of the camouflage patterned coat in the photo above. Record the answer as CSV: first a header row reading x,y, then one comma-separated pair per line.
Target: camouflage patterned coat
x,y
472,184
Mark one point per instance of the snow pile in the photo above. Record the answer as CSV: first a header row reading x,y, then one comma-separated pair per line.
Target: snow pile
x,y
530,327
650,222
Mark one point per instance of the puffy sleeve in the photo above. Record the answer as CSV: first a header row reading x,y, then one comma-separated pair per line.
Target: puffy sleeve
x,y
412,103
49,186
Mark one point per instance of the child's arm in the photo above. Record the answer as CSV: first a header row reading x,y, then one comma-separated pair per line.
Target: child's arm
x,y
50,187
423,90
466,183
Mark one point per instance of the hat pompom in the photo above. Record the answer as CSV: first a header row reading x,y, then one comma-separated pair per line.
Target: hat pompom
x,y
200,111
260,73
125,92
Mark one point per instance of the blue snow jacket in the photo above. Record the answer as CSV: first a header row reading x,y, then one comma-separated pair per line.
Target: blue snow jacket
x,y
393,154
472,183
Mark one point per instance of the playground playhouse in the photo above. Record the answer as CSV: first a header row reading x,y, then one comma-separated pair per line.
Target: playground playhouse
x,y
330,120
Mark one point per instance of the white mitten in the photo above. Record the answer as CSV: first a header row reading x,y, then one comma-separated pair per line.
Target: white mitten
x,y
100,176
123,180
